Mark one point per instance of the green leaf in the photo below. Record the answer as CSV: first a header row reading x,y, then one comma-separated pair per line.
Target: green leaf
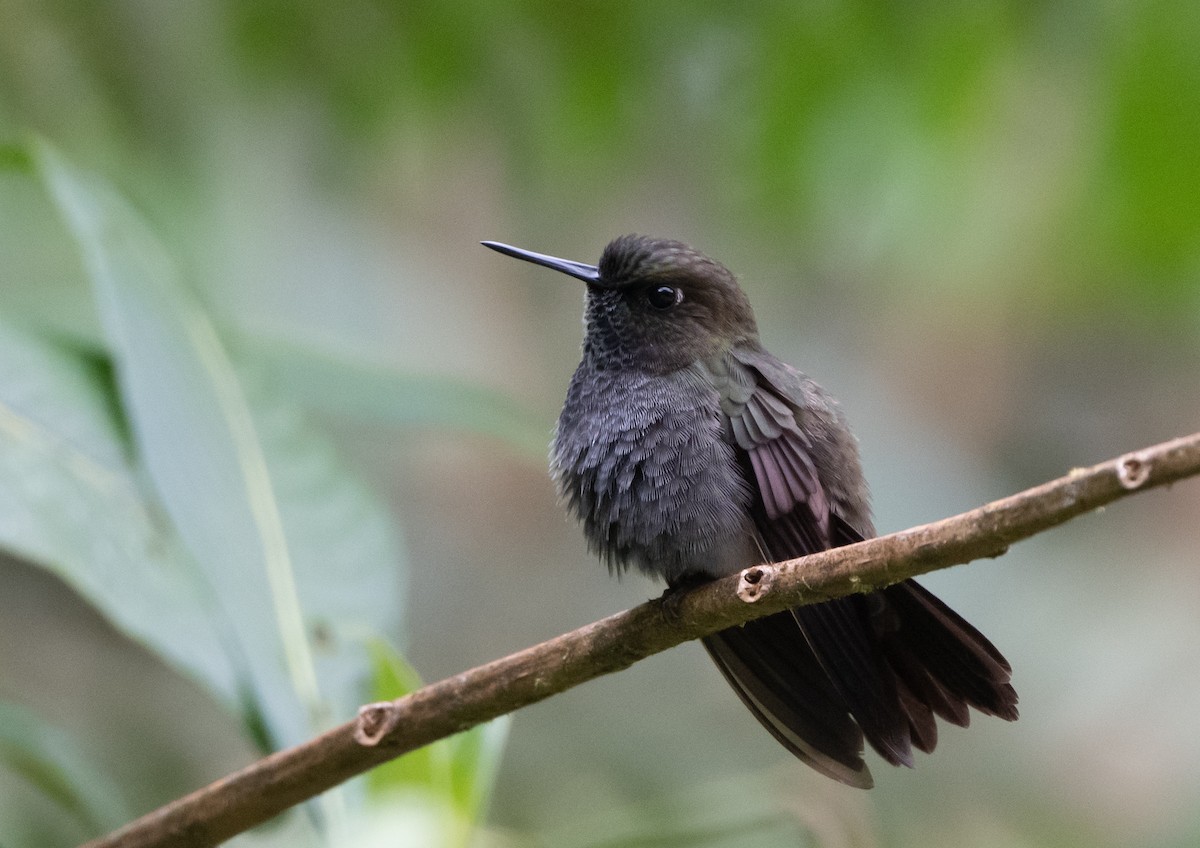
x,y
475,764
41,283
14,157
425,769
69,501
49,759
457,774
343,385
344,547
196,437
260,501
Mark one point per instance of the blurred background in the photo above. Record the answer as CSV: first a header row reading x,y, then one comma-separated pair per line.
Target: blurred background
x,y
977,224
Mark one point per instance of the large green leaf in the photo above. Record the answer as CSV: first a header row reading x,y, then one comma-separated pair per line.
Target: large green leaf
x,y
69,502
260,502
347,558
40,283
50,760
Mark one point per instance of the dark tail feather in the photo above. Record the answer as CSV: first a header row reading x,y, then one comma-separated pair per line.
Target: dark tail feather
x,y
900,657
852,655
893,660
956,658
774,671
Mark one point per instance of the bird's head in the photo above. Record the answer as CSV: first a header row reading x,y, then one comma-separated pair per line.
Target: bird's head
x,y
654,304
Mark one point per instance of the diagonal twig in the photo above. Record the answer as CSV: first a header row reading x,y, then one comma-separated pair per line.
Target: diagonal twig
x,y
384,731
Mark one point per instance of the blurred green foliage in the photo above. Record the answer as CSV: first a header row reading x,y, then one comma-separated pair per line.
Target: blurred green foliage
x,y
48,760
781,107
452,777
253,561
979,222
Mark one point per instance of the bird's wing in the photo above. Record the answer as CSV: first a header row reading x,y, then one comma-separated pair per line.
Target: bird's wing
x,y
895,658
769,661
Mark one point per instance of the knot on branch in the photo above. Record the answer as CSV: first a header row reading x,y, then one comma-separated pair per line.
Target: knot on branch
x,y
755,582
1133,470
375,721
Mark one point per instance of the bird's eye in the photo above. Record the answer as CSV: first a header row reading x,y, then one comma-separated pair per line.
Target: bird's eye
x,y
663,297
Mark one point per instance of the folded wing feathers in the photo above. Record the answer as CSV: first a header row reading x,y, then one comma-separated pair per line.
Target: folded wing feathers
x,y
893,660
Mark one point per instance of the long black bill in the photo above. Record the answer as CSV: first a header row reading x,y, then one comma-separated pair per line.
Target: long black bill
x,y
578,270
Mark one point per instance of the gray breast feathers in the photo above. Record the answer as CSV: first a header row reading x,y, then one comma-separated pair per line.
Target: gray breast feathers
x,y
644,462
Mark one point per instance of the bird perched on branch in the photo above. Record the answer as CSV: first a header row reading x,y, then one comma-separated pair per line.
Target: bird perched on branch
x,y
690,452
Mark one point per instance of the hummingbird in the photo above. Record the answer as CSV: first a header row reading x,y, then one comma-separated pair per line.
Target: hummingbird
x,y
689,452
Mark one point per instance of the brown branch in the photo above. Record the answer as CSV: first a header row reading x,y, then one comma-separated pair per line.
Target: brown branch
x,y
383,731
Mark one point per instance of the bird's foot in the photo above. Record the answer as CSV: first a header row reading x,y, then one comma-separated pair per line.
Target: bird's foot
x,y
671,600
